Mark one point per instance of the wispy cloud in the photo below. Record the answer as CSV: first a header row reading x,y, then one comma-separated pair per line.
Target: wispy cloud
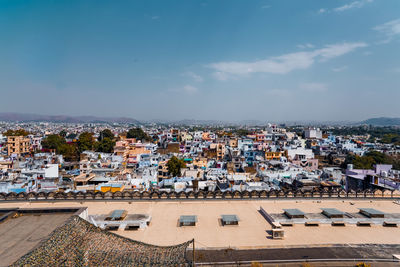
x,y
265,6
351,5
155,17
339,69
304,46
283,64
190,89
389,29
222,76
314,87
194,76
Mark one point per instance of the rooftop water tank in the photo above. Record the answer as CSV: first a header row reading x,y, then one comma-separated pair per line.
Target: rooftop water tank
x,y
349,166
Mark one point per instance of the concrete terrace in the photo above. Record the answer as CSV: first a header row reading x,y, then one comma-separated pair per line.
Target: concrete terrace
x,y
253,230
23,233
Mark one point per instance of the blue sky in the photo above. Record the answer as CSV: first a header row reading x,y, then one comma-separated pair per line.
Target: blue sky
x,y
226,60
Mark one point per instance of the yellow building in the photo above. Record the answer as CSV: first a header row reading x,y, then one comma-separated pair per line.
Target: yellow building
x,y
220,151
186,136
162,171
110,187
18,145
274,155
200,162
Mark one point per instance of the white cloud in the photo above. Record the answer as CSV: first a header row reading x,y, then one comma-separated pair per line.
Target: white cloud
x,y
155,17
314,87
390,29
354,4
351,5
222,76
304,46
190,89
336,50
194,76
265,6
339,69
282,64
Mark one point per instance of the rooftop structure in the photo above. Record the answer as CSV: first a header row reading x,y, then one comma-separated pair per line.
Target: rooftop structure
x,y
187,220
372,213
117,215
229,219
294,213
333,213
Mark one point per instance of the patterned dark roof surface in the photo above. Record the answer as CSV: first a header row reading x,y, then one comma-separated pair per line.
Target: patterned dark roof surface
x,y
79,243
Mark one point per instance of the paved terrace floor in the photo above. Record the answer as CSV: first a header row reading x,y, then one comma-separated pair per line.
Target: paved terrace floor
x,y
19,235
253,230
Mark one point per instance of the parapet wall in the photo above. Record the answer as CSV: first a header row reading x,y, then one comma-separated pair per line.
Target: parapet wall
x,y
158,195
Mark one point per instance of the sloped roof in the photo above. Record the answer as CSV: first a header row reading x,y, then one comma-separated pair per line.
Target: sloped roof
x,y
79,243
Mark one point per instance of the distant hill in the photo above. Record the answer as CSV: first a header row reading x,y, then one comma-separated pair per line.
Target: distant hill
x,y
383,121
12,117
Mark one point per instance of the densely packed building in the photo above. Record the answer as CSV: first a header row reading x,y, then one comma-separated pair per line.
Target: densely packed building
x,y
185,158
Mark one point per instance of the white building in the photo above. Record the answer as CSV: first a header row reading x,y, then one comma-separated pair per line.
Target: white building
x,y
314,133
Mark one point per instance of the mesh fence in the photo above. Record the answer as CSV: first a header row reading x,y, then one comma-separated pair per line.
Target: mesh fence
x,y
79,243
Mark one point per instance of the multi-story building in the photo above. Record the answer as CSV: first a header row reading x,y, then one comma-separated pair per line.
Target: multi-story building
x,y
17,145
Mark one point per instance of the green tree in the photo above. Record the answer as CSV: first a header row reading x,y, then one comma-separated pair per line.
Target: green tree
x,y
106,133
138,134
370,159
63,133
53,141
85,142
364,162
69,152
71,136
57,142
106,145
175,165
19,132
242,132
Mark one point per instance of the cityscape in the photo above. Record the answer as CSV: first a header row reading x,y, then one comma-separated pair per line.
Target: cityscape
x,y
200,133
327,175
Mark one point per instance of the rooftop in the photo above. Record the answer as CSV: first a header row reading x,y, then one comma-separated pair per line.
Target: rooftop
x,y
23,230
252,231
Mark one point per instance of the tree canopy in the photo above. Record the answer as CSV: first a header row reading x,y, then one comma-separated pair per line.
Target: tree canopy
x,y
371,158
53,141
85,142
106,133
63,133
19,132
138,134
175,165
58,143
106,145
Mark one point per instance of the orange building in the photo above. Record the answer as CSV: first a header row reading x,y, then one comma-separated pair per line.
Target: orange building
x,y
18,145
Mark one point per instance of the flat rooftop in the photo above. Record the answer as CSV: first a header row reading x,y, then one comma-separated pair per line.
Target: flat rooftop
x,y
253,230
21,232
